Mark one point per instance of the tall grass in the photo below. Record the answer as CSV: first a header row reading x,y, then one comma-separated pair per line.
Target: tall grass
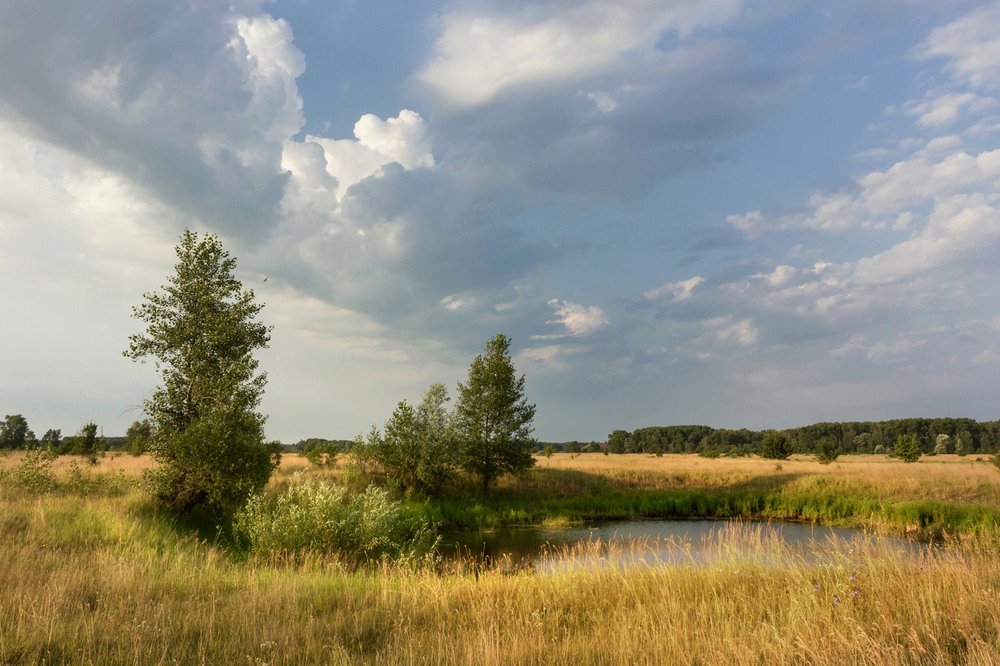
x,y
924,500
103,580
93,577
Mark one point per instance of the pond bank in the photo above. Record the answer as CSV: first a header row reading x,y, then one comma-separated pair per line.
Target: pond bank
x,y
926,519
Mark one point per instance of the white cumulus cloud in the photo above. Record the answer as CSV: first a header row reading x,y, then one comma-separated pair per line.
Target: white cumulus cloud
x,y
578,319
680,291
478,56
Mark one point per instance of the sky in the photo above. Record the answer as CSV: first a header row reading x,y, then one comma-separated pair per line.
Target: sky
x,y
737,213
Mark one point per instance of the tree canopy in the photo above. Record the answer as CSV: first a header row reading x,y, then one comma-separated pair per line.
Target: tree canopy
x,y
13,432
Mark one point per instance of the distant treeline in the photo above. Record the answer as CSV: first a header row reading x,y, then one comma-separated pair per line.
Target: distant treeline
x,y
325,445
960,435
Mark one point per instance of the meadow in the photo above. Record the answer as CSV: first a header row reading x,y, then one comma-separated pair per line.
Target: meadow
x,y
93,573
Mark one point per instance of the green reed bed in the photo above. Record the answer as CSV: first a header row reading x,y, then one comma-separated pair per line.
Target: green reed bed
x,y
767,500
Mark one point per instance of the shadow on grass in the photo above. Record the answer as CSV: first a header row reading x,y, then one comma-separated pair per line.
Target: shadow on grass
x,y
576,495
200,524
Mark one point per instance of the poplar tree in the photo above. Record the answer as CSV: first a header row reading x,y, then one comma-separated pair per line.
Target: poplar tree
x,y
207,435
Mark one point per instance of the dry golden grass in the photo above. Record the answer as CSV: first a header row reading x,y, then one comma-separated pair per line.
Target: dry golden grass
x,y
99,579
105,581
969,479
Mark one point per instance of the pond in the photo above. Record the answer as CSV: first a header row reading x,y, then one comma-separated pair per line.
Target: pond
x,y
667,543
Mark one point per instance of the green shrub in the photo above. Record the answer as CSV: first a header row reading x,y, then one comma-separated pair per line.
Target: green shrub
x,y
319,517
218,461
828,452
418,450
84,482
775,446
321,454
34,473
907,448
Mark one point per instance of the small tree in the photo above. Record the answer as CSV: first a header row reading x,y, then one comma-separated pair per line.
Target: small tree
x,y
13,432
416,449
493,416
775,446
138,436
440,449
907,448
963,443
86,443
321,453
52,438
828,451
207,435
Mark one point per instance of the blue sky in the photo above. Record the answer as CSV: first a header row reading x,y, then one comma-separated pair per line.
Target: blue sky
x,y
728,212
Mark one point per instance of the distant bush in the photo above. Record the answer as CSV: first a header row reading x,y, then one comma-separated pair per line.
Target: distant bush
x,y
321,453
709,453
85,443
963,443
907,448
828,451
775,446
319,517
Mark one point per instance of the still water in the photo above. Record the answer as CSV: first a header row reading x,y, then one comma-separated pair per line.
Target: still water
x,y
669,543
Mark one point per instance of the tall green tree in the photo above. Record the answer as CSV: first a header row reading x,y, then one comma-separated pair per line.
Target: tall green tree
x,y
52,438
493,416
208,437
13,432
617,441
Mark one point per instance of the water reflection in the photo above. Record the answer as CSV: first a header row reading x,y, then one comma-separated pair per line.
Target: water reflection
x,y
668,543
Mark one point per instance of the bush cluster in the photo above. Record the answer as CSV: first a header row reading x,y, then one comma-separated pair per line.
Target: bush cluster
x,y
319,517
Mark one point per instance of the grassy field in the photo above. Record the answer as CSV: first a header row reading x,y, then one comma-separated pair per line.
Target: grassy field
x,y
93,574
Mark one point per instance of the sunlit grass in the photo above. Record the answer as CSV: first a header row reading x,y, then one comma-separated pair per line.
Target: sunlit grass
x,y
107,579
